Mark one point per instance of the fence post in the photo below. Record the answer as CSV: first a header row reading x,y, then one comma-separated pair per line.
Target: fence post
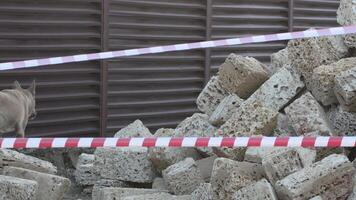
x,y
207,63
290,15
104,66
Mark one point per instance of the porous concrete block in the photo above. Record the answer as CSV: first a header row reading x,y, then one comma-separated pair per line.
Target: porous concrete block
x,y
106,183
125,164
261,190
308,54
12,188
135,129
323,80
203,192
183,177
345,89
205,166
16,159
278,90
307,115
316,198
159,184
279,60
225,109
281,163
117,193
86,175
329,178
346,15
250,119
242,75
343,122
229,176
255,155
284,127
85,158
196,125
50,186
157,196
162,157
212,94
164,132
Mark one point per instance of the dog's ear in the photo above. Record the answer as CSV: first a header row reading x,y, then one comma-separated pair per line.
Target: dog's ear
x,y
32,88
16,85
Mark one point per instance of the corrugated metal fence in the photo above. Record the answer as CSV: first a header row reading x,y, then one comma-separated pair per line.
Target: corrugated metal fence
x,y
101,97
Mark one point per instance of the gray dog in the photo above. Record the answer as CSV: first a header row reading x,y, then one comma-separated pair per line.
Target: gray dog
x,y
17,106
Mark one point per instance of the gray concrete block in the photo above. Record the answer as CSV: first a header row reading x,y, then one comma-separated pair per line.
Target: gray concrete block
x,y
306,115
345,89
183,177
157,196
125,164
343,122
212,94
85,158
225,109
284,127
116,193
229,176
159,184
323,80
86,175
330,178
346,15
261,190
279,60
50,186
12,188
205,166
105,183
13,158
242,75
135,129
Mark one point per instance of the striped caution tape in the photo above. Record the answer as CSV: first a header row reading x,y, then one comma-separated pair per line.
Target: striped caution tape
x,y
231,142
179,47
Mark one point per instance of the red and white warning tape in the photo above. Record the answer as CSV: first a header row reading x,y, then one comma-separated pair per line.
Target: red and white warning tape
x,y
179,47
178,142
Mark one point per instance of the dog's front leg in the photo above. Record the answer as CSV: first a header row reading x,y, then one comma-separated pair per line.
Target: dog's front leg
x,y
19,129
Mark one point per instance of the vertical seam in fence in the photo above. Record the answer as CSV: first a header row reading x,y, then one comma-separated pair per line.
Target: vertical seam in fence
x,y
290,15
104,66
207,63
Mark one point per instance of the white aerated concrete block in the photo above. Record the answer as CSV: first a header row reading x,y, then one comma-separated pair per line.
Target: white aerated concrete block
x,y
12,188
345,89
261,190
228,106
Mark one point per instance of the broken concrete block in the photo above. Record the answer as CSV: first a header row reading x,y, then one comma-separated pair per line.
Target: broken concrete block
x,y
50,186
281,163
157,196
86,175
125,164
196,125
284,127
330,178
105,183
279,60
345,89
12,188
164,132
85,158
278,90
346,15
242,75
116,193
203,192
310,53
255,155
306,115
212,94
250,119
323,80
316,198
16,159
205,166
159,184
183,177
228,176
261,190
135,129
343,123
225,109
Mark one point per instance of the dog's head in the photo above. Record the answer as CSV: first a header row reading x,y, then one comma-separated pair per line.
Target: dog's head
x,y
29,93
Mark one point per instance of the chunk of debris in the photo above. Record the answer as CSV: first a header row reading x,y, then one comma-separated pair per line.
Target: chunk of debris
x,y
205,166
12,188
135,129
183,177
343,122
203,192
212,94
242,75
261,190
346,15
159,184
229,176
157,196
225,109
345,89
330,178
323,80
279,60
115,193
106,183
306,115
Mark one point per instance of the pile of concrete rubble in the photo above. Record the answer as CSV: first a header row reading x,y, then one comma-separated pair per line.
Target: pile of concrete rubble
x,y
309,89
